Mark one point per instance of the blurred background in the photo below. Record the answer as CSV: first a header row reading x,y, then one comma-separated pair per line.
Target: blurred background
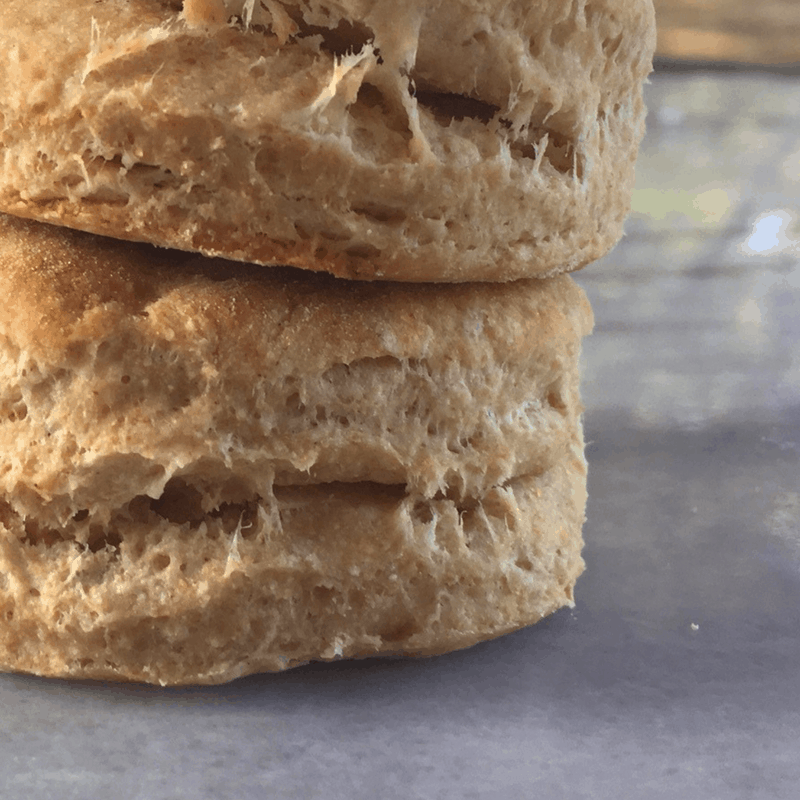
x,y
697,308
736,31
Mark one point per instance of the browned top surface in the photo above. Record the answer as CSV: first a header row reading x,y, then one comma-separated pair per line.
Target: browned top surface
x,y
69,284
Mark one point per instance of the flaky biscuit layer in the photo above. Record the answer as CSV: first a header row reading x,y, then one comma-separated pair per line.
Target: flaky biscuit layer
x,y
453,140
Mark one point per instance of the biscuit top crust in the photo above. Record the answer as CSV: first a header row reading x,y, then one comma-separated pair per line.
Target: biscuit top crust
x,y
69,286
417,141
260,314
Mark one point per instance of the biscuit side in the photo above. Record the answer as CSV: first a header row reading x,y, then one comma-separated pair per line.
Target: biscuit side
x,y
447,141
128,360
311,573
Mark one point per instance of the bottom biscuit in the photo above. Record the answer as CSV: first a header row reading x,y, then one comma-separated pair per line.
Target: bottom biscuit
x,y
209,470
318,572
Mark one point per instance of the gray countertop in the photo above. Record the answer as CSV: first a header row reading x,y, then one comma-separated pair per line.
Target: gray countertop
x,y
677,675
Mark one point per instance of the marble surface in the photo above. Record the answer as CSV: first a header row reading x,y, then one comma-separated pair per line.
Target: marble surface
x,y
677,674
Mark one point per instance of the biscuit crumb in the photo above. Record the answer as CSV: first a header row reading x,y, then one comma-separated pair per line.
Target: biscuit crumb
x,y
204,12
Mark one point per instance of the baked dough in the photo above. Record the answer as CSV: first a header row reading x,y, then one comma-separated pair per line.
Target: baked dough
x,y
210,469
452,140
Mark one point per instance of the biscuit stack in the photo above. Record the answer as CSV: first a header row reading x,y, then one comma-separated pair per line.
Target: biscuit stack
x,y
289,358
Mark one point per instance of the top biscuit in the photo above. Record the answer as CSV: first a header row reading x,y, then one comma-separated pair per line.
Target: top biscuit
x,y
417,141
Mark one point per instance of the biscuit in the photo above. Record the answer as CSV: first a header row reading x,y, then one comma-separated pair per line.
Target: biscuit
x,y
456,140
211,469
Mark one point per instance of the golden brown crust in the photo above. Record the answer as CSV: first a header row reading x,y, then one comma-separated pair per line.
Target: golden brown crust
x,y
192,446
423,141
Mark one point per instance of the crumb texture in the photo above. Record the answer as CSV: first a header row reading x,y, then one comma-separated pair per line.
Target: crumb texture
x,y
169,593
335,469
421,141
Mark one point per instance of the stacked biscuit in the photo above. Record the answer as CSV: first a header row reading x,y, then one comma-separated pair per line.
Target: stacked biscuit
x,y
289,361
